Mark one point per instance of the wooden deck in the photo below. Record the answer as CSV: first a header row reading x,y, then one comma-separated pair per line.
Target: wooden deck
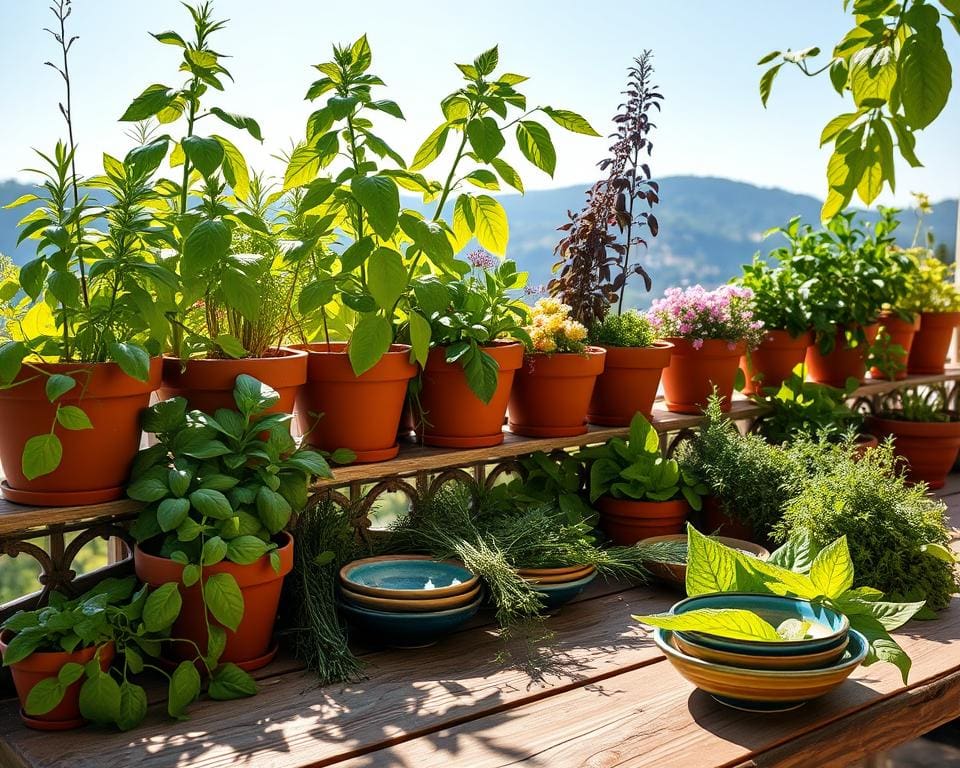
x,y
600,694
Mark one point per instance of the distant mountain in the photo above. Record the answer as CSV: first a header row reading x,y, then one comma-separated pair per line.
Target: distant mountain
x,y
708,228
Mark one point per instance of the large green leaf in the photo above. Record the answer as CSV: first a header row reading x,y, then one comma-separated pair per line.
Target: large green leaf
x,y
132,359
204,153
222,596
162,607
242,122
492,230
386,277
100,699
734,623
711,567
925,77
44,696
153,99
206,245
230,682
380,199
241,292
420,333
832,569
535,144
235,169
485,138
133,704
184,688
211,503
274,509
571,121
370,340
41,455
431,148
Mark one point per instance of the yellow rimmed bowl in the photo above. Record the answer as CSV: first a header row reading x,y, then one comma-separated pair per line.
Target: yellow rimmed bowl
x,y
815,660
407,577
406,605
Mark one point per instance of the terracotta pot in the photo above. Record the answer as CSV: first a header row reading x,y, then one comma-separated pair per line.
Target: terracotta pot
x,y
338,409
842,362
96,462
628,384
772,363
864,443
38,666
251,646
692,374
208,384
901,334
552,393
454,417
932,342
929,448
717,521
626,521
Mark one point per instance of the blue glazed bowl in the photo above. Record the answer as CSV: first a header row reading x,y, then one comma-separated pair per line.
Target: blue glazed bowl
x,y
556,595
763,690
407,630
829,628
407,577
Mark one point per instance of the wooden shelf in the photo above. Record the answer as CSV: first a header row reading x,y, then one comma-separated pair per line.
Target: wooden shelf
x,y
15,518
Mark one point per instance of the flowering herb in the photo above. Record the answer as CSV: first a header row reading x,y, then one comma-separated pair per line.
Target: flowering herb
x,y
631,329
930,287
698,314
552,329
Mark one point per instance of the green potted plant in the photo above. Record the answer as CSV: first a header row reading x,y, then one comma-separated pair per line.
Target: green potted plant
x,y
778,302
933,295
926,435
229,308
594,259
640,493
83,329
475,330
219,491
552,390
710,332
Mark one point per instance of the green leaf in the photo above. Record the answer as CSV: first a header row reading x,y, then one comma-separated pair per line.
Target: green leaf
x,y
492,230
12,354
838,75
797,554
206,245
838,123
230,345
571,121
925,78
235,169
165,416
230,682
46,695
832,569
241,293
386,277
184,688
190,575
768,58
162,607
487,61
242,122
535,144
223,598
171,513
871,183
216,644
153,99
274,510
766,83
485,138
69,673
483,178
244,550
711,567
211,503
214,550
204,153
370,340
57,385
380,199
65,287
431,148
22,645
147,488
100,698
132,359
253,396
133,705
733,623
420,334
41,455
938,550
483,374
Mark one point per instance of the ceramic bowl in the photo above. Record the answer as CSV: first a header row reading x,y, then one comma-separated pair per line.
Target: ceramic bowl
x,y
407,630
407,577
829,628
763,690
538,576
756,661
409,605
559,571
676,573
556,595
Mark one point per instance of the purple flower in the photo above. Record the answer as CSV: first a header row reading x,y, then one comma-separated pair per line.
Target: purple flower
x,y
480,259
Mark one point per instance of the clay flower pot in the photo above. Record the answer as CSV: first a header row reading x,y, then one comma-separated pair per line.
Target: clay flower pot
x,y
627,521
95,462
929,448
454,417
551,393
40,665
772,363
251,646
338,409
864,443
902,334
208,384
717,521
932,342
692,374
842,362
628,384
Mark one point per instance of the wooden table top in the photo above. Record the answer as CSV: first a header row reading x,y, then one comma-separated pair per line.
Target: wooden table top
x,y
599,694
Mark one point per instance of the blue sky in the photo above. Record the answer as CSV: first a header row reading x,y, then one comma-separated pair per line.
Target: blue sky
x,y
575,53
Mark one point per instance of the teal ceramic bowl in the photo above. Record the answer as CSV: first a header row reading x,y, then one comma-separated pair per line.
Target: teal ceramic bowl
x,y
763,690
407,577
407,630
828,628
556,595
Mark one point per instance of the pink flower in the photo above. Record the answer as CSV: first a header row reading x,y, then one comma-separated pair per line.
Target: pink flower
x,y
697,343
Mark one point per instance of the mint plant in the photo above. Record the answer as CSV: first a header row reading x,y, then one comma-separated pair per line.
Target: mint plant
x,y
805,408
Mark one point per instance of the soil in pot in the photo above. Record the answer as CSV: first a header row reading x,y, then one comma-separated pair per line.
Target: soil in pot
x,y
453,416
338,409
693,373
842,362
627,521
207,384
95,462
551,393
38,666
929,448
932,342
772,363
901,333
251,646
628,384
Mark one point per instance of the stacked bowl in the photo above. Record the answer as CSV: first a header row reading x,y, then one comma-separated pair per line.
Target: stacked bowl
x,y
407,601
559,585
765,676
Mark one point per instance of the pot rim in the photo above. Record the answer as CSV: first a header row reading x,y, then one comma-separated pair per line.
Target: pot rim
x,y
288,354
52,657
